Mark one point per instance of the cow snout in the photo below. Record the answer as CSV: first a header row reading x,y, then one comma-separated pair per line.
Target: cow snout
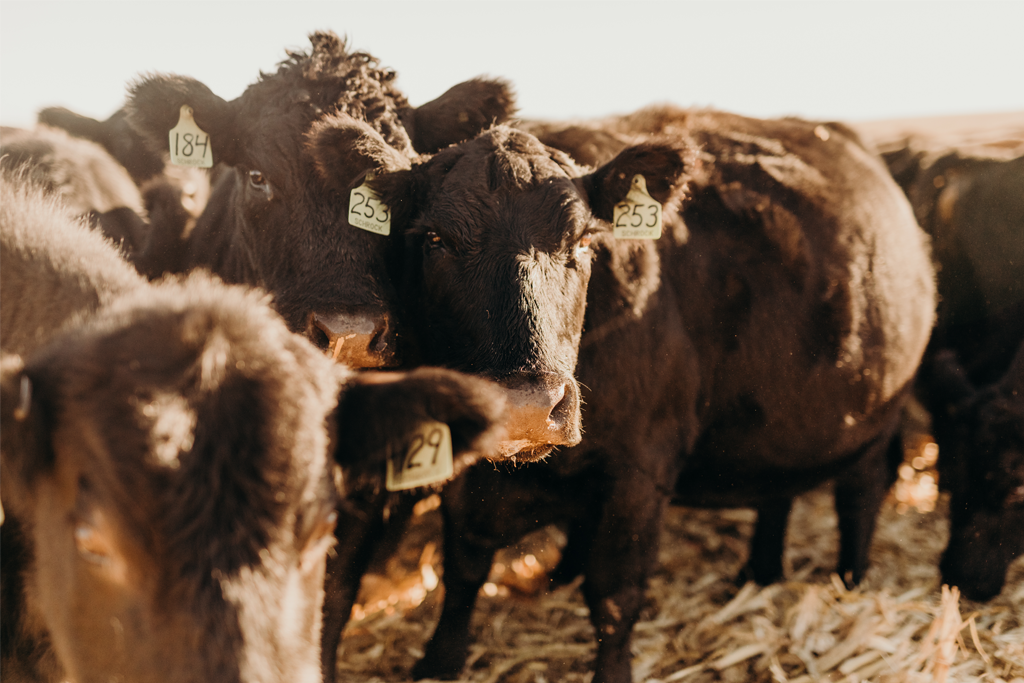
x,y
544,412
358,340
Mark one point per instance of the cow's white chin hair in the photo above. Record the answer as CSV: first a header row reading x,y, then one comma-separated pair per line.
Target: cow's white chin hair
x,y
522,450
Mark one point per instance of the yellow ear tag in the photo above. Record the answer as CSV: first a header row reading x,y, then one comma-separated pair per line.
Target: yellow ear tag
x,y
638,216
190,146
428,460
367,211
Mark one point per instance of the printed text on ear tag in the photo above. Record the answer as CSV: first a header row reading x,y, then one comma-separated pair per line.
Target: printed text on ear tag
x,y
190,146
638,216
367,211
427,460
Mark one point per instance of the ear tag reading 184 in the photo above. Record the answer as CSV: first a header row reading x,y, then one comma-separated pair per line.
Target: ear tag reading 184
x,y
638,216
367,211
190,146
428,459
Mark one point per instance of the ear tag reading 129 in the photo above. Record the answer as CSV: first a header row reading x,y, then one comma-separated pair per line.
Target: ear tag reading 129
x,y
367,211
190,146
638,216
428,459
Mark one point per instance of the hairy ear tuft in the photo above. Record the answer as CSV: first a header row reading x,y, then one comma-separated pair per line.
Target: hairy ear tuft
x,y
663,164
461,113
346,149
379,412
154,107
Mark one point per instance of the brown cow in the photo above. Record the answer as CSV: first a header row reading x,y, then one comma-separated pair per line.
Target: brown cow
x,y
89,181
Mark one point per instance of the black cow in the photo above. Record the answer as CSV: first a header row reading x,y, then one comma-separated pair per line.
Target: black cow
x,y
764,344
980,432
524,338
279,217
972,205
166,467
973,208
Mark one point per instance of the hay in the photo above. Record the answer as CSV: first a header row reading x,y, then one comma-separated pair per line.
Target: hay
x,y
899,626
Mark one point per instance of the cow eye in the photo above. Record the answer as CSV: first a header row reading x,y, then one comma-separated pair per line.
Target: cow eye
x,y
256,179
92,546
434,241
583,246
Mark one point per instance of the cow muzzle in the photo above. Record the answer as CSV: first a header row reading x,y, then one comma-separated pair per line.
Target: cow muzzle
x,y
358,340
544,412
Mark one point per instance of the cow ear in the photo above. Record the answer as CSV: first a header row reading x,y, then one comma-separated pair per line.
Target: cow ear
x,y
380,412
23,423
154,108
461,113
76,124
664,166
346,149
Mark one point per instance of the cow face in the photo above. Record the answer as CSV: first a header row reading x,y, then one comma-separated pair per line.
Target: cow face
x,y
288,203
983,438
167,465
498,237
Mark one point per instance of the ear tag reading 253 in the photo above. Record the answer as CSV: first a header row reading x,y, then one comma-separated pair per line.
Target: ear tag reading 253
x,y
428,459
367,211
638,216
190,146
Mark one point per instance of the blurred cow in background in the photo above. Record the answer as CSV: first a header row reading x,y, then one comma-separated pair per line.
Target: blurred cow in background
x,y
971,202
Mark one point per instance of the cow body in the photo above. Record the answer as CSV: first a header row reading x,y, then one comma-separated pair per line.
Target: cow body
x,y
763,345
972,205
277,218
167,470
86,178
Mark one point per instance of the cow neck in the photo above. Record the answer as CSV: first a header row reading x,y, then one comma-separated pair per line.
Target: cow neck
x,y
626,273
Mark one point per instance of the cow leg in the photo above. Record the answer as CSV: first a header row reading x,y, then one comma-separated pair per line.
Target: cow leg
x,y
768,543
483,511
859,493
579,540
360,524
624,552
466,566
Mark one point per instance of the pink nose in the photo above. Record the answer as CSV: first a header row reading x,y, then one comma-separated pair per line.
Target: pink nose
x,y
358,340
544,411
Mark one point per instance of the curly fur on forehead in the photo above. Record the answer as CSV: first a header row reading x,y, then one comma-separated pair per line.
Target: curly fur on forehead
x,y
340,81
212,374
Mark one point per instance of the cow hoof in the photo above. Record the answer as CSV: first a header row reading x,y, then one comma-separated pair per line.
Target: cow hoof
x,y
434,668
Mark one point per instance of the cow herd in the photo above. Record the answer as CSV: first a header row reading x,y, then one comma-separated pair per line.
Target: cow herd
x,y
214,382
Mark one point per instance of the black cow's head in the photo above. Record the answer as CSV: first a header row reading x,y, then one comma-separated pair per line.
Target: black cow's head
x,y
498,262
289,199
981,462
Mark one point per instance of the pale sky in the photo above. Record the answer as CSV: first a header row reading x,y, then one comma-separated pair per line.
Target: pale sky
x,y
827,60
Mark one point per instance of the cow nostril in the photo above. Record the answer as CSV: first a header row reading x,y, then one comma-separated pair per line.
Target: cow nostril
x,y
379,343
319,338
562,412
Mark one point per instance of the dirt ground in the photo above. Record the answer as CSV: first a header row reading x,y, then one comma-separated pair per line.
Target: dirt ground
x,y
899,625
